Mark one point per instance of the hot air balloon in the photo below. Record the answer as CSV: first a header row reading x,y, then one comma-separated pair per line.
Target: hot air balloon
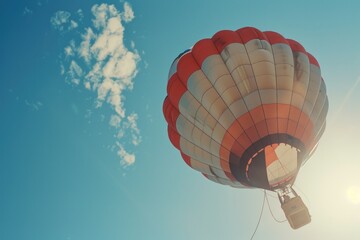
x,y
247,109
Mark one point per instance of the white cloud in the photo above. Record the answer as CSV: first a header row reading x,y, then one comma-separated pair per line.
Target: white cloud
x,y
62,69
87,85
61,21
80,13
127,159
68,51
128,14
146,64
75,71
34,105
27,11
104,64
84,49
102,13
88,113
115,121
75,81
73,24
135,132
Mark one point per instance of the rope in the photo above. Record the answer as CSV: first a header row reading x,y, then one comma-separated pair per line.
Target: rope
x,y
262,210
272,214
303,194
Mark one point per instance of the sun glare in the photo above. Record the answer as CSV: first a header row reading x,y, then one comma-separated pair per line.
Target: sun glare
x,y
353,194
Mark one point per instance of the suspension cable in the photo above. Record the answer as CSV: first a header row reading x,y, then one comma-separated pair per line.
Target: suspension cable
x,y
261,213
303,194
272,214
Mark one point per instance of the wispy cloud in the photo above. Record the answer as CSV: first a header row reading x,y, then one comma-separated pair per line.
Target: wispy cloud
x,y
101,62
127,159
132,125
80,13
27,11
74,73
33,7
34,105
128,14
61,21
115,121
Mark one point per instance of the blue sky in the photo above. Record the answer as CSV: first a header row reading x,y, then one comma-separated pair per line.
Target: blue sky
x,y
78,165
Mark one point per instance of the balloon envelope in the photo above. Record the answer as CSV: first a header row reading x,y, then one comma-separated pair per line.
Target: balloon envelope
x,y
246,108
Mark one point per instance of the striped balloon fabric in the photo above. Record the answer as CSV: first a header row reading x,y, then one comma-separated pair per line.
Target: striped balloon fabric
x,y
246,108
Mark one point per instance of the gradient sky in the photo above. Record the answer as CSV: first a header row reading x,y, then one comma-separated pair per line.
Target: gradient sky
x,y
78,166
